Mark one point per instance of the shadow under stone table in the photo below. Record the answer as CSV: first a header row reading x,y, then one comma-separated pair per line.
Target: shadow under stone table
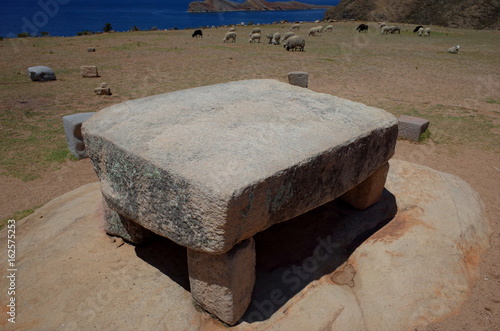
x,y
210,167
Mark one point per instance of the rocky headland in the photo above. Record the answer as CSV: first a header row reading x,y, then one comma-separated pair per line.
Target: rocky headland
x,y
226,5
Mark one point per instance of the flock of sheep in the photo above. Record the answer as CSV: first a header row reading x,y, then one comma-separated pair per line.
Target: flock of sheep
x,y
293,42
290,40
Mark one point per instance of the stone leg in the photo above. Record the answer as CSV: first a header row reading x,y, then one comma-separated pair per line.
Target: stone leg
x,y
369,191
118,225
223,284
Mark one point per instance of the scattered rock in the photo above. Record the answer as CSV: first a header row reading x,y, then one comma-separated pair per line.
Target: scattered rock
x,y
103,90
41,73
299,78
411,128
89,71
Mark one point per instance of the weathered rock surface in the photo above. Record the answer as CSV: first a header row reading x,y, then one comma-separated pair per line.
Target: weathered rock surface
x,y
211,166
327,271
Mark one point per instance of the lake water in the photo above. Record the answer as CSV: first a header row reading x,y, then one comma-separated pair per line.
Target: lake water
x,y
68,17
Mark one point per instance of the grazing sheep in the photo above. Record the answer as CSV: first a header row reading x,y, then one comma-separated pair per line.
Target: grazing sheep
x,y
395,29
197,33
421,31
427,32
295,27
362,28
454,49
317,30
232,29
254,31
295,43
254,38
382,25
270,37
329,28
386,30
276,38
230,36
287,35
417,28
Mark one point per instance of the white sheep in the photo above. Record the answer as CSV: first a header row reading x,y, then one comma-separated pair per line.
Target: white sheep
x,y
386,29
232,29
295,43
420,31
254,31
427,32
288,35
454,49
295,27
329,28
230,36
254,38
317,30
276,38
382,25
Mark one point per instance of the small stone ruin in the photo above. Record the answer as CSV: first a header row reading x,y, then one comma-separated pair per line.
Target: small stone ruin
x,y
103,89
89,71
210,167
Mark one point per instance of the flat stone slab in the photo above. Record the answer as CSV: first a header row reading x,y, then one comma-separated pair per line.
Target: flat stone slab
x,y
211,166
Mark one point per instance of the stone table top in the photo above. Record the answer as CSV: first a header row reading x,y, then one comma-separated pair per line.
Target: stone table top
x,y
210,166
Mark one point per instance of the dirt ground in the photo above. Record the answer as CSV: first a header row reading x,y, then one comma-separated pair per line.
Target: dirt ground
x,y
403,74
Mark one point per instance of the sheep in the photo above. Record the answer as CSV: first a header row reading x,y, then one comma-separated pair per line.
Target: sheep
x,y
230,36
270,37
386,29
197,33
329,28
427,32
254,38
254,31
454,49
288,35
315,31
295,27
417,28
276,38
395,28
382,25
421,31
232,29
362,28
295,43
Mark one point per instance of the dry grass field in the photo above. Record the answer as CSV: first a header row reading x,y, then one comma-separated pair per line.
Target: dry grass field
x,y
401,73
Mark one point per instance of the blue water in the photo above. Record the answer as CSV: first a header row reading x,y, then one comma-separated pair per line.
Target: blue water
x,y
68,17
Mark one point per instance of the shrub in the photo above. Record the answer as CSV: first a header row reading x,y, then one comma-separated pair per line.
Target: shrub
x,y
44,34
23,35
135,28
107,27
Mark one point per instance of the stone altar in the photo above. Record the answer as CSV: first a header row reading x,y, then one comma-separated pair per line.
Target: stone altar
x,y
209,167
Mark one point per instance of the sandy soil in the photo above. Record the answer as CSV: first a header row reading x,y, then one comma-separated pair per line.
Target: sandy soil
x,y
459,93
